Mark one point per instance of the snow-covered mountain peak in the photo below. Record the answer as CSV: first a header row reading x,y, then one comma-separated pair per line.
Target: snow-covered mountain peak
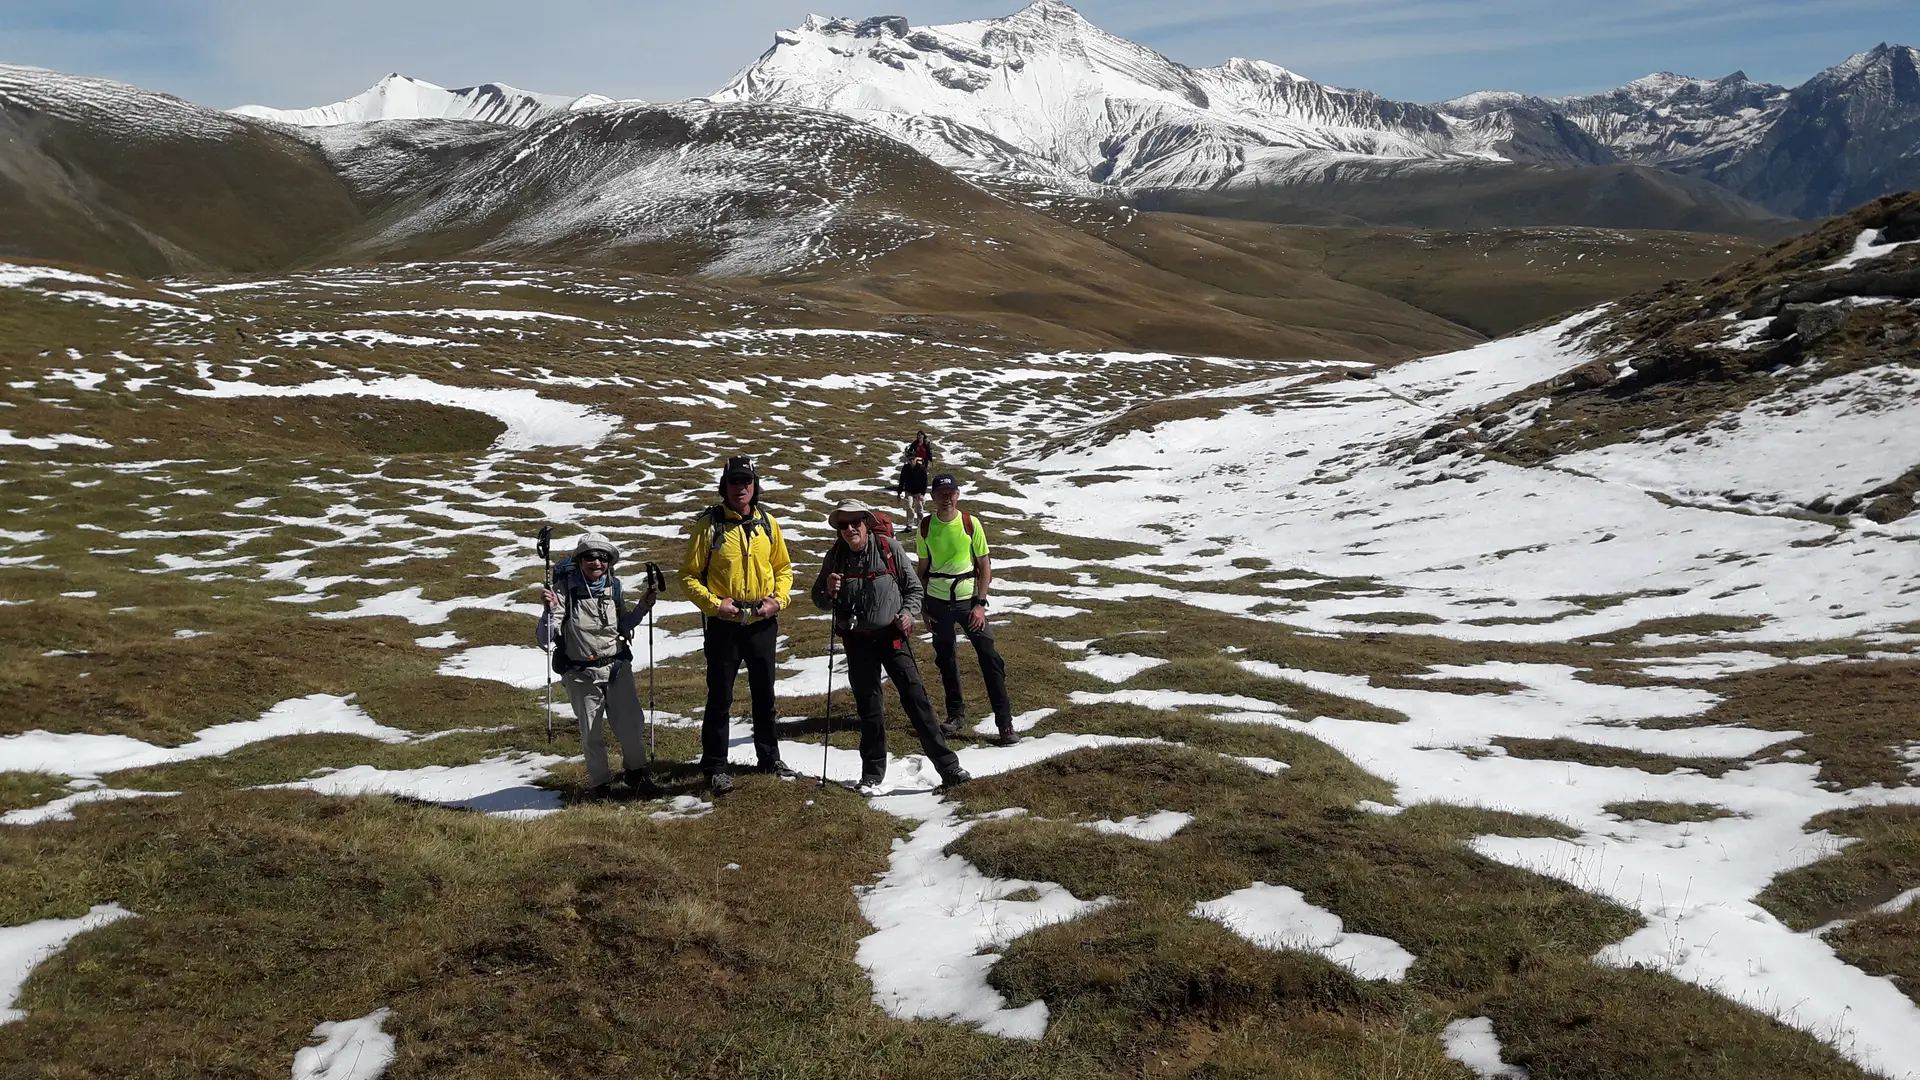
x,y
1661,85
399,97
1045,93
1882,57
1258,70
1481,102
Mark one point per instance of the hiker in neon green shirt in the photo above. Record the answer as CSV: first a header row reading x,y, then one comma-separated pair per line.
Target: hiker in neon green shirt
x,y
955,568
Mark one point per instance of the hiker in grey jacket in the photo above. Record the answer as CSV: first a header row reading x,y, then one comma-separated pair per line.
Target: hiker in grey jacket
x,y
589,635
874,594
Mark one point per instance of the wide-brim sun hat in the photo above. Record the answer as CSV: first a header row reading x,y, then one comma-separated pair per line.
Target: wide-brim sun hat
x,y
595,542
850,510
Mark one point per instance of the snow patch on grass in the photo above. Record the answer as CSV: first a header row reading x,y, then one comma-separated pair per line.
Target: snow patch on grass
x,y
1471,1042
349,1050
25,947
532,421
1280,918
500,786
1153,828
77,754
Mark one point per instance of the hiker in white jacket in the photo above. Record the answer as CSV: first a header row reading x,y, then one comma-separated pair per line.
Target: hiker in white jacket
x,y
589,634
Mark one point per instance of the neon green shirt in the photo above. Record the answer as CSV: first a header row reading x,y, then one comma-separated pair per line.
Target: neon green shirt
x,y
948,550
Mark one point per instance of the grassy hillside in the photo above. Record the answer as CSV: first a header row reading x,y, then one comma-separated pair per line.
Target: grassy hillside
x,y
108,176
205,528
1496,197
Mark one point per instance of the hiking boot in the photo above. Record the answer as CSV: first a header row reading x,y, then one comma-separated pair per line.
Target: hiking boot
x,y
954,777
719,783
598,793
777,767
642,783
871,784
955,723
1006,736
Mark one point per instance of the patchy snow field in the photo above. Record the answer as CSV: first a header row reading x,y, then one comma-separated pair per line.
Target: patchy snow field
x,y
1296,506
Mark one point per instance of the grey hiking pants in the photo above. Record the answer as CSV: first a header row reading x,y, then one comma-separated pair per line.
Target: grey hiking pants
x,y
598,705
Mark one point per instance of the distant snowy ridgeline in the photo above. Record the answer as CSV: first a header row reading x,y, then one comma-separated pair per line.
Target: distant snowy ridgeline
x,y
1307,480
398,97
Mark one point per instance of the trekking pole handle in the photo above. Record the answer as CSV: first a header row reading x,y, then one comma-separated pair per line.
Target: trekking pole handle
x,y
545,544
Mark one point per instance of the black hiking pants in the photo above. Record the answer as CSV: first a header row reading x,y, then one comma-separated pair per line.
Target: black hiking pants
x,y
944,617
866,658
729,645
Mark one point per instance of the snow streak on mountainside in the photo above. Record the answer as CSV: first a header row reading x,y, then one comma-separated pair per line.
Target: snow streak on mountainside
x,y
718,189
1846,135
398,97
1086,106
1043,93
1664,120
112,108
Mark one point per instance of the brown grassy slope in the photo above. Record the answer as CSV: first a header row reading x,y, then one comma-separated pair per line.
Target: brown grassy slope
x,y
1062,286
150,203
1500,280
1495,196
1490,281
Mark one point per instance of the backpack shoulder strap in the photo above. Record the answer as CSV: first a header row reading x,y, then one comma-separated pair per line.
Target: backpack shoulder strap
x,y
716,535
926,522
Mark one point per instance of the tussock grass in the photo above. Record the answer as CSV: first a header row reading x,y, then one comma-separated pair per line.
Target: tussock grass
x,y
1668,813
1580,753
1592,1023
1884,945
1854,716
1884,863
19,790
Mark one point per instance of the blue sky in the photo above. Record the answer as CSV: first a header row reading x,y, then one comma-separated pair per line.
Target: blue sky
x,y
283,53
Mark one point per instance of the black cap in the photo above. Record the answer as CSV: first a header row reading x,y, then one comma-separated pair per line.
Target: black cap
x,y
739,468
945,480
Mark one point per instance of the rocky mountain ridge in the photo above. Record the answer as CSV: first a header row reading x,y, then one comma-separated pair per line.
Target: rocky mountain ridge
x,y
1043,96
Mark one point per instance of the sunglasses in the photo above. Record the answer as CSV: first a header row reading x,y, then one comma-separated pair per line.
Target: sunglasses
x,y
854,524
593,556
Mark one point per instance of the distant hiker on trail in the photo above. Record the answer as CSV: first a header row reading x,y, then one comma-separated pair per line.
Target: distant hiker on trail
x,y
915,460
737,572
589,633
956,571
874,596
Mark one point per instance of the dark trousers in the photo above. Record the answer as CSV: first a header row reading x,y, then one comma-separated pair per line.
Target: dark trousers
x,y
728,645
865,659
943,618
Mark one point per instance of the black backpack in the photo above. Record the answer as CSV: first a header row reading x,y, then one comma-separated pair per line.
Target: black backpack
x,y
717,517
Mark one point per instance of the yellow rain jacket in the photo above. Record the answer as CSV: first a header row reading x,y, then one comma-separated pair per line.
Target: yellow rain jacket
x,y
749,565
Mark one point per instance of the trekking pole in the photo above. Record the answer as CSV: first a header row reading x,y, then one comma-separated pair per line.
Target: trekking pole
x,y
657,582
545,545
826,741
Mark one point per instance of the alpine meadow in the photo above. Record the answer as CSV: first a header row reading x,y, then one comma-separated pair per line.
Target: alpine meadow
x,y
1235,577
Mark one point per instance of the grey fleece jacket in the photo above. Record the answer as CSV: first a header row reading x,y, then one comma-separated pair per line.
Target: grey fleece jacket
x,y
868,604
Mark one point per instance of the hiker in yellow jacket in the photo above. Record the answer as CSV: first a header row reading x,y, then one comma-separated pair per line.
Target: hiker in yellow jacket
x,y
737,572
